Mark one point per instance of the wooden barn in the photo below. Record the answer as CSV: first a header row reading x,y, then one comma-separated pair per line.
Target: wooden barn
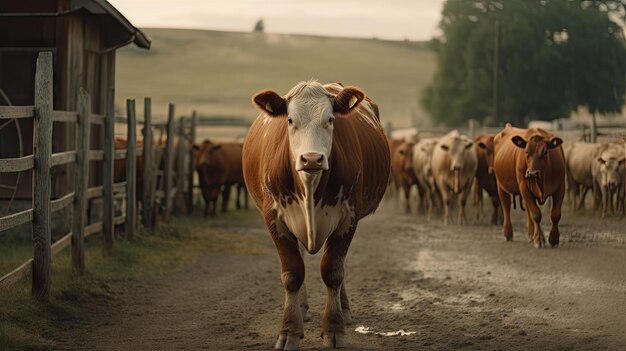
x,y
83,36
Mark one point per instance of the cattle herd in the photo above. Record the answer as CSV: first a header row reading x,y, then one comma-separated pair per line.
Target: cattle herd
x,y
515,166
316,161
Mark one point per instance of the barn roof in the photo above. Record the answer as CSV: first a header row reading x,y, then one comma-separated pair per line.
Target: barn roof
x,y
128,32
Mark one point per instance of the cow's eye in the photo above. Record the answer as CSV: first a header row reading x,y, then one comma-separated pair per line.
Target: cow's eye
x,y
290,121
331,119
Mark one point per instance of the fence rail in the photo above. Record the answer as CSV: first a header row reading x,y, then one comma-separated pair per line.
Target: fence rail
x,y
151,156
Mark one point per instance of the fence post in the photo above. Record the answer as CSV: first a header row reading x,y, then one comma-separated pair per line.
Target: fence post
x,y
148,165
192,160
131,170
42,149
180,168
82,176
167,172
108,228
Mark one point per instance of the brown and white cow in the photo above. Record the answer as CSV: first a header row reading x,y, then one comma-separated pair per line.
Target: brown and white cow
x,y
454,165
422,159
485,177
315,161
530,162
402,173
219,168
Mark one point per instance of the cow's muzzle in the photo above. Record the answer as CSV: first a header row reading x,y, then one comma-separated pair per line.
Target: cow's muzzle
x,y
532,174
310,162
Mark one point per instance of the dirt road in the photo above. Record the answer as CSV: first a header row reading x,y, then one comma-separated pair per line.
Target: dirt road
x,y
455,287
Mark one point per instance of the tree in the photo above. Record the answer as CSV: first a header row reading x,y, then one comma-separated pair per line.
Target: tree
x,y
259,27
554,56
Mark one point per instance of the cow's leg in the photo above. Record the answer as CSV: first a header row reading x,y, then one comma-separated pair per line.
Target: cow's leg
x,y
238,201
333,329
245,199
494,214
422,198
505,201
462,200
583,197
535,214
292,277
345,305
445,197
407,197
304,298
225,197
604,199
555,215
478,199
530,226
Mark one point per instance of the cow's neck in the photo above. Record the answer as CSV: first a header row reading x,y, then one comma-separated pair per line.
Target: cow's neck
x,y
310,183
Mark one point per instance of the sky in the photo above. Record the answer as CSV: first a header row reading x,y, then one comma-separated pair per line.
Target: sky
x,y
383,19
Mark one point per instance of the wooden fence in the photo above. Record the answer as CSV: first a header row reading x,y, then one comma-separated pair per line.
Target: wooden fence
x,y
158,175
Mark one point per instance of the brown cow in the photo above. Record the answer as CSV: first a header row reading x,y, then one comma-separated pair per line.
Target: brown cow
x,y
219,168
530,162
485,178
402,172
315,162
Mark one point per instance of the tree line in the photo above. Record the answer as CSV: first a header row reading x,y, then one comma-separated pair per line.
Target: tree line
x,y
519,60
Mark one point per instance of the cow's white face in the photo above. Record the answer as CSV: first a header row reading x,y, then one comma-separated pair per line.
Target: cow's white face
x,y
309,113
611,169
310,122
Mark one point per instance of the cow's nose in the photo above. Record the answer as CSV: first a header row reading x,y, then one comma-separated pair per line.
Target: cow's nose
x,y
532,174
311,162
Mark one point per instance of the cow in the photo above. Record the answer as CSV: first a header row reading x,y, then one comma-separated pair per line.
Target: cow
x,y
581,170
315,161
219,168
530,162
402,172
422,157
454,165
609,176
485,178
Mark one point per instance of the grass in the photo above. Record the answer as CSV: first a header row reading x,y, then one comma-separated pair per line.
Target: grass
x,y
216,73
29,325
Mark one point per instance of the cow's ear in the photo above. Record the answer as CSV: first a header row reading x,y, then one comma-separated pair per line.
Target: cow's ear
x,y
469,145
482,145
270,103
519,141
195,147
555,142
445,147
347,99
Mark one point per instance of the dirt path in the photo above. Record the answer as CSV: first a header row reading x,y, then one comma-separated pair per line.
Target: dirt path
x,y
456,287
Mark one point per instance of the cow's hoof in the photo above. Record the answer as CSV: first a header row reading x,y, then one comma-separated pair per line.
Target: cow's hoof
x,y
538,245
554,245
334,340
305,314
347,317
508,238
288,342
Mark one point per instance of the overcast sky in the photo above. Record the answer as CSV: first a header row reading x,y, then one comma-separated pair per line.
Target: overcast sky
x,y
385,19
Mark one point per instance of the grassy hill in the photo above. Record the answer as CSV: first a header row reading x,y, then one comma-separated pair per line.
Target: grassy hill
x,y
216,73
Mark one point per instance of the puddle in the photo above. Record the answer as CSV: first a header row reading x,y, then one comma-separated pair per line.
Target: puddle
x,y
366,330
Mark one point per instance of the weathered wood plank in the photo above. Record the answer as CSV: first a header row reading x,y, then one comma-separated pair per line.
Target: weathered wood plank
x,y
192,166
93,229
61,203
42,146
121,154
81,187
94,192
148,166
96,155
62,243
13,220
119,187
64,116
179,197
96,119
169,158
121,119
63,158
131,171
108,226
119,220
18,273
11,112
17,164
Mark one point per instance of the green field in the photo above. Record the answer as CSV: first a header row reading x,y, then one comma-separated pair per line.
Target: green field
x,y
216,73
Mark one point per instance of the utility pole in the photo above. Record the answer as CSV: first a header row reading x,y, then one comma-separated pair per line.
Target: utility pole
x,y
496,68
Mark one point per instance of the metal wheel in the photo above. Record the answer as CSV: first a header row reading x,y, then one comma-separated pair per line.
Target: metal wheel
x,y
10,184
